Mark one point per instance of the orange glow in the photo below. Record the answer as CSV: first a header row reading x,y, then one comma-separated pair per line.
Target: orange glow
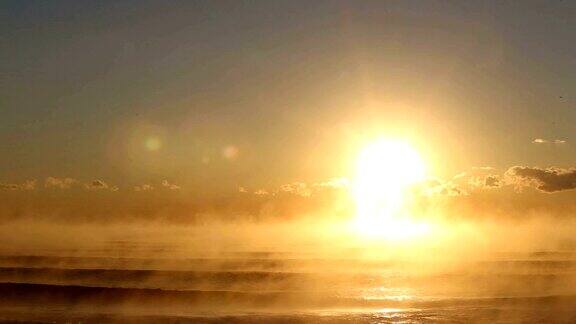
x,y
385,171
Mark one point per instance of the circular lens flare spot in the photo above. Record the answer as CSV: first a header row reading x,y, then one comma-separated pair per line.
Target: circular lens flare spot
x,y
230,152
153,143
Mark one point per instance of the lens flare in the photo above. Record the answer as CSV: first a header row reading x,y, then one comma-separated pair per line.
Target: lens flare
x,y
153,143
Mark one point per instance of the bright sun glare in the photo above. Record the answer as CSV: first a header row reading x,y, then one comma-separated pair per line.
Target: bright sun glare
x,y
385,171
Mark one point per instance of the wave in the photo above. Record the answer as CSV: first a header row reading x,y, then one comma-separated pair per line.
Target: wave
x,y
75,294
284,280
270,263
205,263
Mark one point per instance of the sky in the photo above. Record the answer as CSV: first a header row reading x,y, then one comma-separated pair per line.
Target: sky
x,y
206,97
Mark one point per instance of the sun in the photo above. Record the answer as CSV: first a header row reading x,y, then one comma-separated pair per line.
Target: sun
x,y
385,170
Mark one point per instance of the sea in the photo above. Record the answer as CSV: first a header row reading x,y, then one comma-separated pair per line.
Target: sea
x,y
140,280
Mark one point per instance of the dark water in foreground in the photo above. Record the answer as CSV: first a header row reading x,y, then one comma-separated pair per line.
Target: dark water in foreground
x,y
260,287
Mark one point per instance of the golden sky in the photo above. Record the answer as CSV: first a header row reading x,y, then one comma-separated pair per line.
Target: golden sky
x,y
189,105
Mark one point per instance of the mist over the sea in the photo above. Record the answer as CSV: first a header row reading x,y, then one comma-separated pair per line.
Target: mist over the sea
x,y
286,271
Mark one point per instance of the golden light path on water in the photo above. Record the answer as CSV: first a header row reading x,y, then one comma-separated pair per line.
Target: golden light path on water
x,y
386,171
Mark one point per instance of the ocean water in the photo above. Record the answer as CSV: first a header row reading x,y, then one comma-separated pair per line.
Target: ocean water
x,y
137,281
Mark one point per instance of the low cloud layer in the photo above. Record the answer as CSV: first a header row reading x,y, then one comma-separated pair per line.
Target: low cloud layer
x,y
545,141
96,185
546,180
167,185
302,189
60,183
65,183
462,194
439,187
492,181
476,178
144,187
26,185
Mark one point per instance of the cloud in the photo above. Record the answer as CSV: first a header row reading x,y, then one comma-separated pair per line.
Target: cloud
x,y
61,183
439,187
478,177
169,185
460,175
306,190
9,186
333,183
474,175
545,141
303,189
297,188
26,185
430,187
453,190
164,184
144,187
546,180
483,168
485,182
492,181
96,185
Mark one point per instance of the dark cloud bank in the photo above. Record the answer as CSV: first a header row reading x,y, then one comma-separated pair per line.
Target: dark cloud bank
x,y
546,180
